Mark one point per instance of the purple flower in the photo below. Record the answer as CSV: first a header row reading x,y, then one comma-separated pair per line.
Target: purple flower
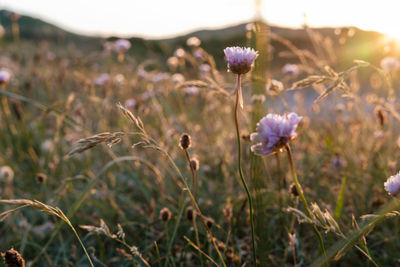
x,y
122,45
392,185
389,64
5,77
274,131
193,41
130,103
290,69
102,79
240,60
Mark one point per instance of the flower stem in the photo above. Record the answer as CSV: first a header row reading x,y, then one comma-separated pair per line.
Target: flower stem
x,y
303,199
238,90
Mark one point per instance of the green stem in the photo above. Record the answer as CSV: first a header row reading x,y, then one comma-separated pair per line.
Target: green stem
x,y
238,88
303,199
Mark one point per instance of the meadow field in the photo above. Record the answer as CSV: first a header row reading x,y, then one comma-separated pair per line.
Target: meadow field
x,y
125,152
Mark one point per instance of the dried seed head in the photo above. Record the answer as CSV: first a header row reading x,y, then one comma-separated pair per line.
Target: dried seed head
x,y
209,222
40,178
228,211
380,116
190,214
13,259
185,141
221,245
293,190
6,174
165,214
195,164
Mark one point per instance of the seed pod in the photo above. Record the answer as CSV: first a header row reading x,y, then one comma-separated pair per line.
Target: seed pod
x,y
209,222
165,214
190,214
195,164
40,178
13,259
185,141
293,190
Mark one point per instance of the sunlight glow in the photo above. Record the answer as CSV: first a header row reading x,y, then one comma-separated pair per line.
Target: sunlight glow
x,y
159,18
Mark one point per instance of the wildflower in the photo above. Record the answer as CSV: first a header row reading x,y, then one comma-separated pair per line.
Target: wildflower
x,y
392,185
119,79
204,68
121,46
6,174
2,31
240,60
159,77
5,77
173,62
389,64
179,53
185,141
338,162
130,103
274,87
274,131
147,95
178,78
142,73
192,90
165,214
290,69
198,54
102,79
193,41
47,146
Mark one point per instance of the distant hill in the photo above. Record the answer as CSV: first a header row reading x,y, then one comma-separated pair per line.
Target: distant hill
x,y
363,45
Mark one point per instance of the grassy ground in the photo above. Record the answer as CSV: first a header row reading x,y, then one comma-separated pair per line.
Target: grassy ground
x,y
113,194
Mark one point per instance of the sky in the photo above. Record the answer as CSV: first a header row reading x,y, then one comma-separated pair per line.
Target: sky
x,y
168,18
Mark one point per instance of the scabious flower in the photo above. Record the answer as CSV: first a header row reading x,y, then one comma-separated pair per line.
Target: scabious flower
x,y
274,87
130,103
122,45
192,91
193,41
389,64
240,60
5,77
102,79
392,185
180,53
290,69
178,78
173,62
274,131
6,174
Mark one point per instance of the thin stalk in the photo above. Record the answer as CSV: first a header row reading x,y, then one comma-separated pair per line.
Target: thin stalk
x,y
303,199
193,172
196,231
246,188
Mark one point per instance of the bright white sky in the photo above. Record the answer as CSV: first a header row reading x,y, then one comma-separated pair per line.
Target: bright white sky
x,y
166,18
